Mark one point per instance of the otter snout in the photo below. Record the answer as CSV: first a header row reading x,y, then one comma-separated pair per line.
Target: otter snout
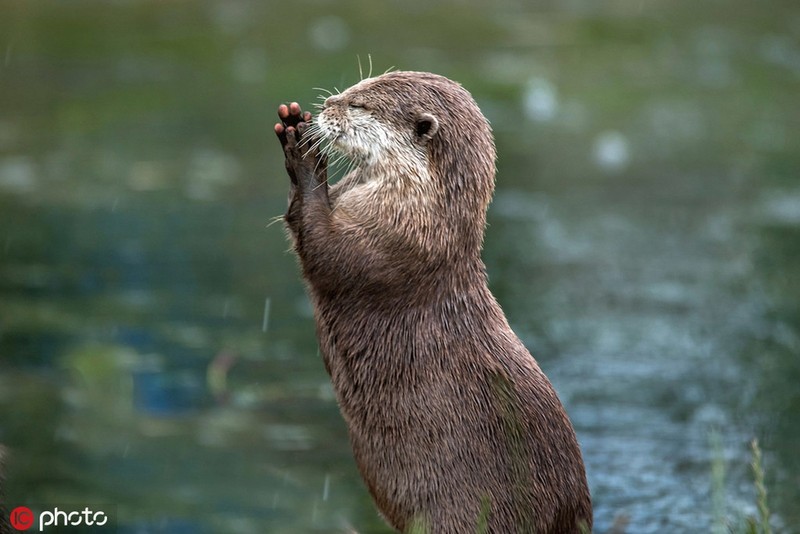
x,y
332,101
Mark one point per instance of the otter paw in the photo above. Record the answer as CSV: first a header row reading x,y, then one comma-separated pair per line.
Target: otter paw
x,y
307,168
290,117
305,165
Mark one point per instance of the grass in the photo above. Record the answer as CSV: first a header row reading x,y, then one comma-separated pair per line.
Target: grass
x,y
717,485
761,489
722,523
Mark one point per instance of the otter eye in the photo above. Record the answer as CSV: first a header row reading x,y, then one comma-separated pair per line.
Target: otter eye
x,y
354,105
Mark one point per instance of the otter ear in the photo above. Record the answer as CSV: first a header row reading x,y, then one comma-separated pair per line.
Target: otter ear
x,y
426,126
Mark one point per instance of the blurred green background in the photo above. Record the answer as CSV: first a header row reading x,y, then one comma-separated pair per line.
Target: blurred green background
x,y
157,349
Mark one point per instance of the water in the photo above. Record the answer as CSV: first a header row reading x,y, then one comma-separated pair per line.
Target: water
x,y
156,348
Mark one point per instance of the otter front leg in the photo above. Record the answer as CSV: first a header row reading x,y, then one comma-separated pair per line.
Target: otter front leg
x,y
307,168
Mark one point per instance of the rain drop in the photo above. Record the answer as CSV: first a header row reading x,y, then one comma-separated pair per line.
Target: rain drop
x,y
266,315
326,488
329,34
611,151
540,100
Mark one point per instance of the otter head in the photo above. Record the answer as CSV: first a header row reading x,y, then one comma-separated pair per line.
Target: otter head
x,y
424,136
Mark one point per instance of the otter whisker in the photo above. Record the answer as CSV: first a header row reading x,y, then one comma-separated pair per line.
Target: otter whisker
x,y
313,135
349,168
275,219
307,138
333,160
339,157
337,160
316,144
336,165
316,167
312,131
360,72
330,93
311,148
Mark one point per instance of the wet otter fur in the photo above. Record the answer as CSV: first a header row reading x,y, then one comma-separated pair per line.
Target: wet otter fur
x,y
452,422
5,526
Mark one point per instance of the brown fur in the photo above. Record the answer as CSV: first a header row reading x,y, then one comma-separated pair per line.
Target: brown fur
x,y
5,526
450,417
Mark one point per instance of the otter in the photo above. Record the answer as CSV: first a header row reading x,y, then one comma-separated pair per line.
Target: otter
x,y
453,425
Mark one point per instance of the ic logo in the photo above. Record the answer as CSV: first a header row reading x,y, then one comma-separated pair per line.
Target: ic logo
x,y
22,518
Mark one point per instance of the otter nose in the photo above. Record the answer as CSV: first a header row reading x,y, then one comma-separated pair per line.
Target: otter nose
x,y
332,100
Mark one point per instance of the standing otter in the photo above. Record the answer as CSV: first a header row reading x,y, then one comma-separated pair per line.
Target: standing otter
x,y
451,421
